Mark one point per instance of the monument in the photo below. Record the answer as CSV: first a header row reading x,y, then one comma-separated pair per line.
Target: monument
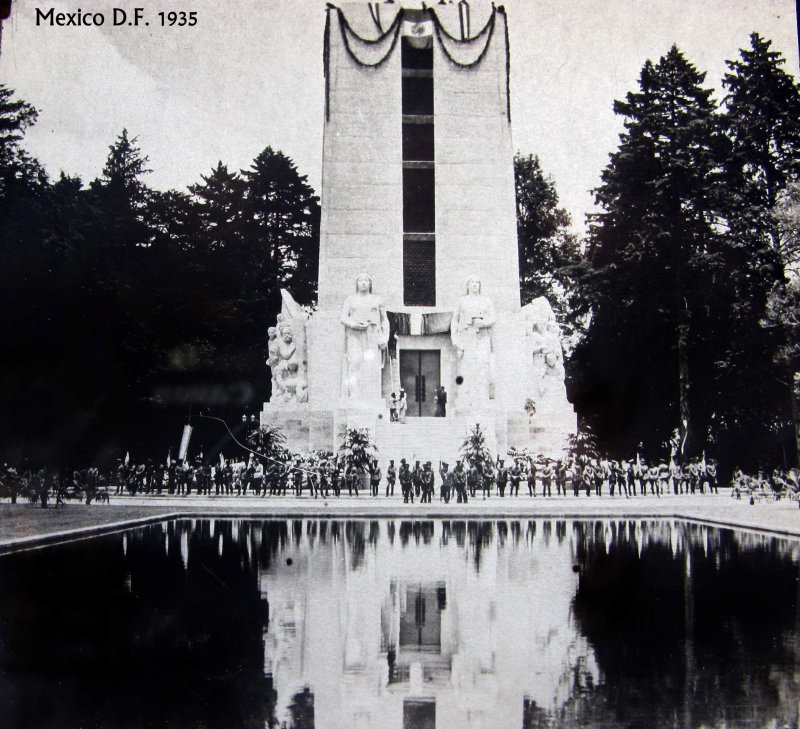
x,y
418,270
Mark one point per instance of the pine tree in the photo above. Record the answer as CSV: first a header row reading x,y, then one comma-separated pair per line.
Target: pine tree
x,y
17,168
122,196
282,223
220,208
652,252
762,121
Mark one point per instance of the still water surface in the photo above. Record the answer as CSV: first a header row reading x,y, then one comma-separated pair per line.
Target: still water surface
x,y
403,624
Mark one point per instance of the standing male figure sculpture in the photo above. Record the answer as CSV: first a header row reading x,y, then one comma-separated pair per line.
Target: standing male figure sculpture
x,y
366,329
471,332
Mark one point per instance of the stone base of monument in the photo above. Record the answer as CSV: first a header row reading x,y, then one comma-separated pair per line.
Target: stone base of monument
x,y
548,437
360,416
305,428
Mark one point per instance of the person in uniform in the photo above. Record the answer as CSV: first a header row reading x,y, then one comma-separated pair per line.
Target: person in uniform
x,y
514,477
652,479
444,488
547,479
416,477
588,477
375,477
488,479
391,477
460,483
427,483
711,476
561,478
473,479
406,482
501,478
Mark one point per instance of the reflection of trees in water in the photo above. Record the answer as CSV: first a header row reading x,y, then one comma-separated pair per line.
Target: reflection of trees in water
x,y
686,633
689,626
131,637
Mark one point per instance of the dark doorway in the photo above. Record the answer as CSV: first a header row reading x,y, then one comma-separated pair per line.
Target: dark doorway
x,y
419,714
420,377
421,621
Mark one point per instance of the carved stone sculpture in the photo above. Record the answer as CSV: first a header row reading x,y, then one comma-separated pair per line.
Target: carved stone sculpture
x,y
366,329
543,337
287,354
471,331
272,358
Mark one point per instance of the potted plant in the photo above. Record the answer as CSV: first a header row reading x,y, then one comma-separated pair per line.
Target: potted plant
x,y
474,448
357,449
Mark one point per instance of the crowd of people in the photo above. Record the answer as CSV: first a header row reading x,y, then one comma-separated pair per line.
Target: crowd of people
x,y
322,475
780,482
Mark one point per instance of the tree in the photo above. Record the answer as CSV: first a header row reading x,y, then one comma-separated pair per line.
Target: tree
x,y
16,167
787,220
281,219
219,208
653,257
762,121
122,197
474,448
547,248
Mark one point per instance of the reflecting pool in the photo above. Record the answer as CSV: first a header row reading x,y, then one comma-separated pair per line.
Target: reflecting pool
x,y
403,624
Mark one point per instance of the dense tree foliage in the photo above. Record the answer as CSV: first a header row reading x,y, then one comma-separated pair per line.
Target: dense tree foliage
x,y
681,261
129,307
547,246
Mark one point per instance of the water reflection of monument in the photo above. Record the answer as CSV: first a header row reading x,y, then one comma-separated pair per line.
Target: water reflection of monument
x,y
394,637
418,273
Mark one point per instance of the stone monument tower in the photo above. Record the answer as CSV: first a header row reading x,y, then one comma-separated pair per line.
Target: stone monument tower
x,y
419,270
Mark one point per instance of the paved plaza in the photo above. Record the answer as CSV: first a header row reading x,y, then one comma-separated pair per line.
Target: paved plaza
x,y
26,525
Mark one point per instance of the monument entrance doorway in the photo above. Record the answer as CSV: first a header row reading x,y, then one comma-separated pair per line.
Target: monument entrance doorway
x,y
420,377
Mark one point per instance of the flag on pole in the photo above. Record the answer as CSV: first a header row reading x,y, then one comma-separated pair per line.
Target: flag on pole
x,y
185,437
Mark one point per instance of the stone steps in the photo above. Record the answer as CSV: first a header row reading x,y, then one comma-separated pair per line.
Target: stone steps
x,y
419,439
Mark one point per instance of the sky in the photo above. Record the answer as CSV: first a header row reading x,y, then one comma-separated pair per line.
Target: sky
x,y
249,75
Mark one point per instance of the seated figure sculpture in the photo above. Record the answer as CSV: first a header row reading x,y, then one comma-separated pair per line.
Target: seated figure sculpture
x,y
366,329
471,331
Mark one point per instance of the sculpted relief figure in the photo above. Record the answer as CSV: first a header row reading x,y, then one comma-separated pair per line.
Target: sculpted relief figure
x,y
273,358
471,331
288,368
287,354
366,329
544,343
